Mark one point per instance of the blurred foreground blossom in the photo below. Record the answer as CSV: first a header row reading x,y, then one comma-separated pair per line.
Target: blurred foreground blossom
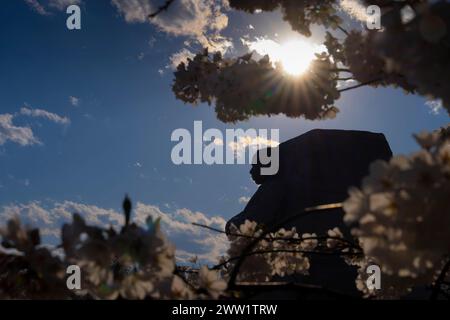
x,y
209,280
131,263
244,87
27,269
277,254
401,215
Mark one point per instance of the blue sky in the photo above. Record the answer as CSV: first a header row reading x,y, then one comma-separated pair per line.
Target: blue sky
x,y
118,138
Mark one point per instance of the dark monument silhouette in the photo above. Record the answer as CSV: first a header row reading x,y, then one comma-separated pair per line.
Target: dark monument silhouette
x,y
316,168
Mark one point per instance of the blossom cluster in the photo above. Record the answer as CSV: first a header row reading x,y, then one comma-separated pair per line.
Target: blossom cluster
x,y
366,66
28,270
300,14
410,51
132,263
419,49
244,87
400,216
279,253
135,263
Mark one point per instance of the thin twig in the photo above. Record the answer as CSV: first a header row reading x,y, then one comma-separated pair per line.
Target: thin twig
x,y
437,285
343,30
178,272
292,240
248,286
162,8
274,228
341,70
345,79
360,85
306,252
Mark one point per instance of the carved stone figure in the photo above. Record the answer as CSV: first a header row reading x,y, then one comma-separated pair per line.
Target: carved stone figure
x,y
316,168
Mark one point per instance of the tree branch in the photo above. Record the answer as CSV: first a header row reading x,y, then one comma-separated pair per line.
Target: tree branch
x,y
306,252
441,278
274,228
360,85
345,78
270,286
341,70
299,240
162,8
343,30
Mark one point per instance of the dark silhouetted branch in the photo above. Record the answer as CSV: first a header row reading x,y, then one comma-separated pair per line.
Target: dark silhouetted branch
x,y
439,281
299,287
345,78
292,240
306,252
162,8
274,228
360,85
343,30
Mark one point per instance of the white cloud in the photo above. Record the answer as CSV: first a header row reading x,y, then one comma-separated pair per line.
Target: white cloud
x,y
9,132
32,212
198,217
24,135
74,101
435,106
355,9
215,244
189,239
184,17
179,57
346,83
39,113
51,217
264,46
244,142
60,5
169,220
151,42
134,10
36,6
199,19
141,56
93,214
244,200
278,51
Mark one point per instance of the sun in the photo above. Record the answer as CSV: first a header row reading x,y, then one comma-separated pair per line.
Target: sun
x,y
296,56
